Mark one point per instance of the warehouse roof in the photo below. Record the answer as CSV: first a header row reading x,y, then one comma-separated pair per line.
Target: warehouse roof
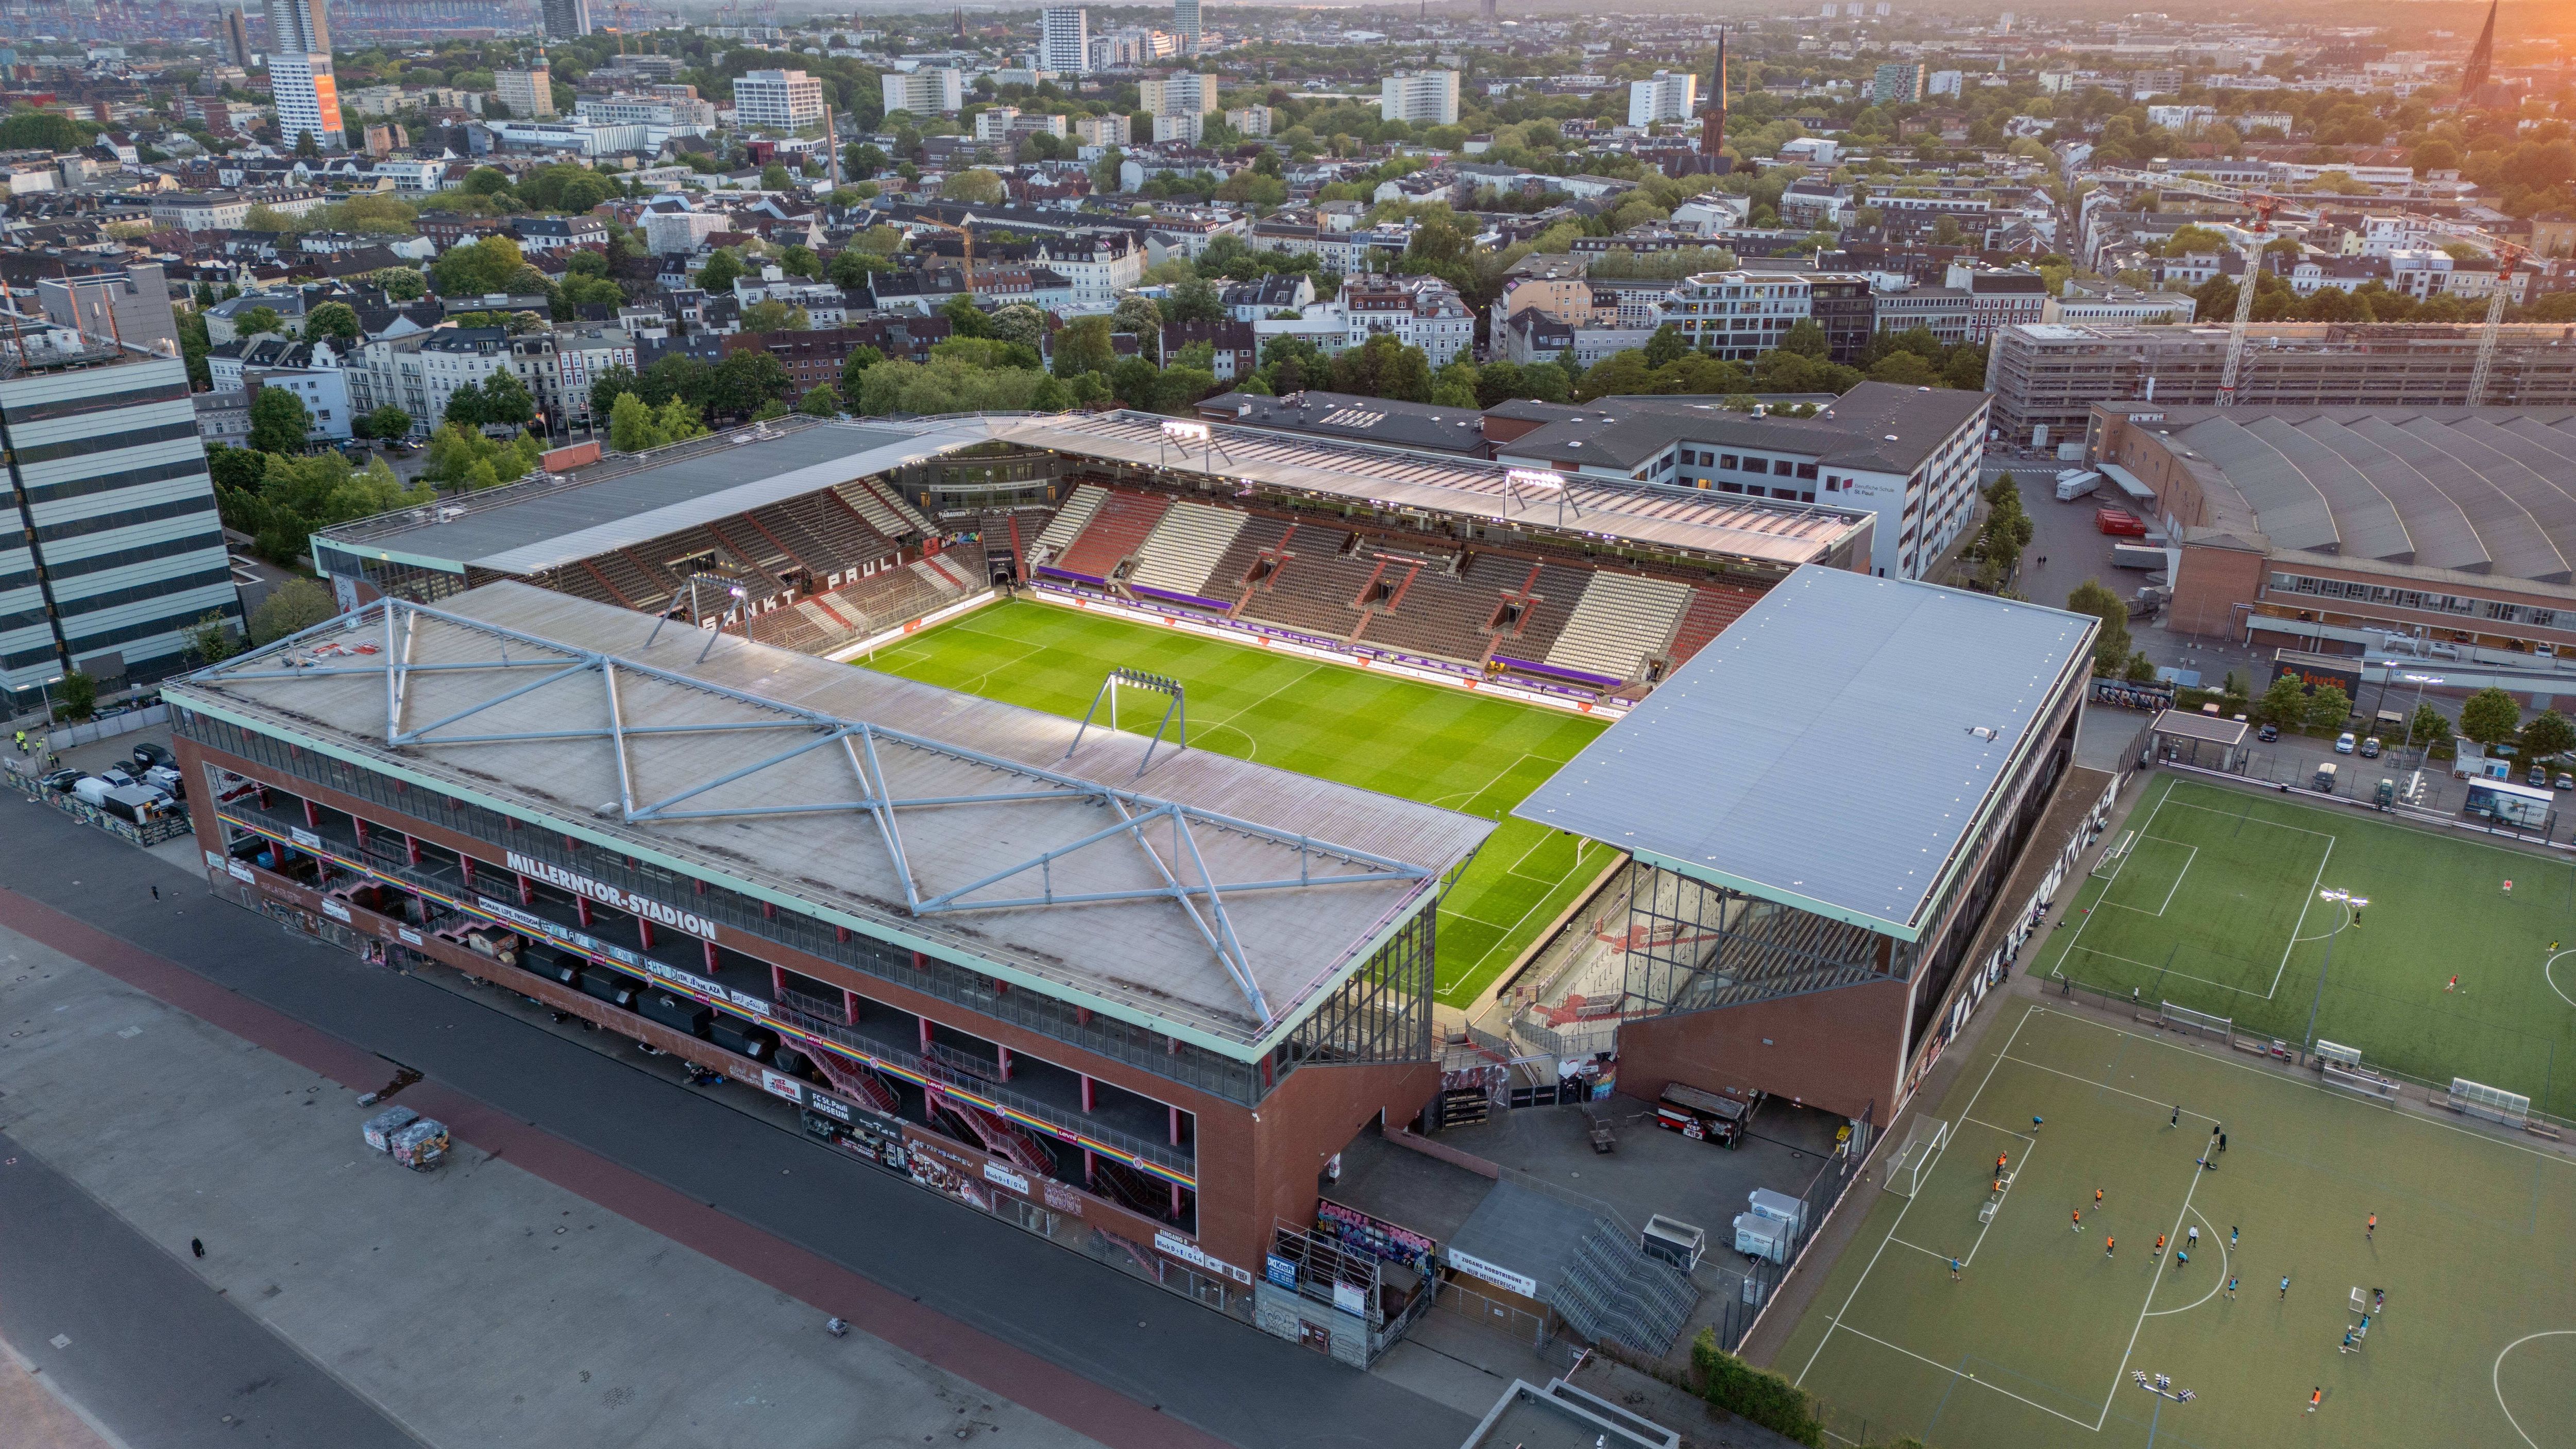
x,y
999,845
2475,490
1879,427
1834,749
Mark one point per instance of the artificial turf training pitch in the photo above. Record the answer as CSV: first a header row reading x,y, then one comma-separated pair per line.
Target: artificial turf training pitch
x,y
2217,908
1467,752
2037,1341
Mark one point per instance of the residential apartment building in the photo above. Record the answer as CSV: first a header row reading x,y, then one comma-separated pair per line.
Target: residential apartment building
x,y
1250,122
1064,40
530,93
1099,265
312,372
1738,315
788,100
1103,130
1663,97
1185,25
1896,82
566,19
1183,93
2086,302
581,356
2046,377
1429,96
228,210
1423,312
113,549
929,91
299,74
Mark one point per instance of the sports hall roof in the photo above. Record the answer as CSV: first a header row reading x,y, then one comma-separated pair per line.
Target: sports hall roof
x,y
529,527
1834,749
1210,898
2475,490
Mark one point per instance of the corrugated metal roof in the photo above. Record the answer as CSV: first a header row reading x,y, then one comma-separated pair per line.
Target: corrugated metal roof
x,y
2293,510
1137,959
1823,751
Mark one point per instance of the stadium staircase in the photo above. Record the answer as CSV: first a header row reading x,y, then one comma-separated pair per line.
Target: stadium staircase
x,y
1816,954
913,517
1620,620
1000,1136
1611,1291
1710,611
630,581
856,1081
790,536
1232,576
871,505
1116,531
951,570
1131,1189
587,581
1182,553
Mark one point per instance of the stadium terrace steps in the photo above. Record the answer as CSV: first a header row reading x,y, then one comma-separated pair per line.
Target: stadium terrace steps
x,y
1438,613
591,582
1070,520
750,551
1710,611
1114,534
1620,620
913,517
788,532
871,505
1183,551
1227,579
950,569
1316,588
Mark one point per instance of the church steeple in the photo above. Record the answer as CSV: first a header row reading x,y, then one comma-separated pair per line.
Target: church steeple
x,y
2474,75
1712,126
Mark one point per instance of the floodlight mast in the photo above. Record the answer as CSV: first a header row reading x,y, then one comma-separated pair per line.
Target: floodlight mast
x,y
1181,434
1519,481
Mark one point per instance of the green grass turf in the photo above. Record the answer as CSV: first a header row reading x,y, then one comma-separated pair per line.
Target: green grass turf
x,y
1445,747
2035,1344
2220,881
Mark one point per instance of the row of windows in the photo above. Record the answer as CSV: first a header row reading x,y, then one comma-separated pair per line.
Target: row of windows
x,y
111,598
74,447
2413,599
1695,458
95,403
124,517
140,553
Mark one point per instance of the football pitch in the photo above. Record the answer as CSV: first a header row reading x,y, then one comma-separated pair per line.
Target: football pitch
x,y
2218,907
2040,1338
1467,752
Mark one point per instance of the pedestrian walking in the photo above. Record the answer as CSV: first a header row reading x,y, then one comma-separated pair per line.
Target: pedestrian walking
x,y
2231,1236
2315,1397
2177,1116
2192,1238
2370,1230
2285,1287
2231,1287
197,1246
22,742
2079,1220
2160,1245
2034,1126
2110,1246
1954,1270
2453,984
2347,1342
156,893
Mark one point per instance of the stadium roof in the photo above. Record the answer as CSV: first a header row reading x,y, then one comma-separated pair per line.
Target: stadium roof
x,y
530,527
2476,490
1208,898
527,528
1834,749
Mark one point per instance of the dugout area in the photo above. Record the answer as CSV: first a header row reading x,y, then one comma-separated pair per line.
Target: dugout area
x,y
2038,1341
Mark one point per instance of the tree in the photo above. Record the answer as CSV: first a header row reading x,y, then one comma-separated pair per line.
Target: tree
x,y
771,315
1020,323
821,401
2329,708
966,318
1195,300
2428,727
337,321
975,185
744,381
211,639
2285,703
2547,735
2111,646
720,271
854,369
2140,669
618,378
279,422
1666,346
77,698
388,422
852,266
774,177
2490,717
489,264
462,457
465,407
291,608
630,425
258,320
800,261
1806,339
506,400
1083,346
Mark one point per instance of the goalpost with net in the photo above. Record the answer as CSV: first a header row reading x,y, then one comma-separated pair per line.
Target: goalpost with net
x,y
1923,1142
2183,1018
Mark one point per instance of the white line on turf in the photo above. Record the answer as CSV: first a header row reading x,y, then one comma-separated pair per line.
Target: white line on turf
x,y
1980,1383
2105,1086
2255,819
2007,1131
2169,891
1918,1247
2549,973
2059,970
2497,1376
2304,902
2215,1284
1836,1321
2158,1281
1988,1225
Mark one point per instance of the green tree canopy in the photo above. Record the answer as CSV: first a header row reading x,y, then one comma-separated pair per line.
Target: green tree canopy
x,y
2111,647
279,421
2490,717
291,608
486,265
2548,734
337,321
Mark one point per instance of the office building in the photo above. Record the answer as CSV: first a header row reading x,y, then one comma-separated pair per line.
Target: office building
x,y
785,99
1185,25
1186,93
1896,82
926,92
566,19
1064,40
2046,377
113,549
299,27
237,37
530,94
1429,96
1663,97
299,74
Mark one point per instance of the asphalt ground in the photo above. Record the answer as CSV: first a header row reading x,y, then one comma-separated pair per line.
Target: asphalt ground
x,y
1016,1315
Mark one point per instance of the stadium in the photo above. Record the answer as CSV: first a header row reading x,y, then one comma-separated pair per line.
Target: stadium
x,y
1125,826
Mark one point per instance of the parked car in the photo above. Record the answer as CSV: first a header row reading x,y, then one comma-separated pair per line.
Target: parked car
x,y
148,754
2268,733
2370,748
2539,778
2563,782
2344,743
60,781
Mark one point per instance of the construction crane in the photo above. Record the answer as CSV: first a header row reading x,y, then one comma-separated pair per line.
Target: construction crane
x,y
2255,238
2508,256
966,238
